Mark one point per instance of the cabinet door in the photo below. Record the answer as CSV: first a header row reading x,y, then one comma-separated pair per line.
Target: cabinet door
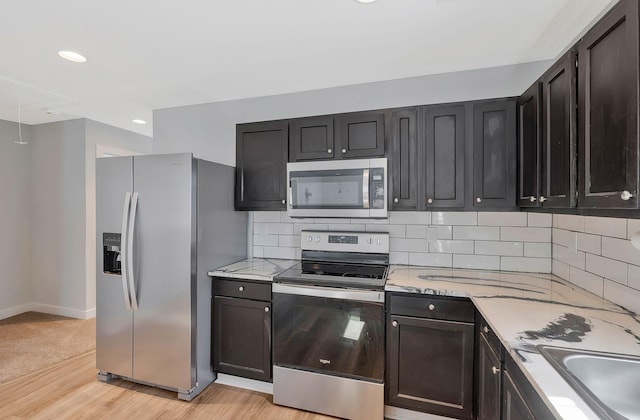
x,y
514,406
261,165
311,138
360,135
489,382
494,154
242,337
559,174
608,95
430,365
529,144
405,159
444,156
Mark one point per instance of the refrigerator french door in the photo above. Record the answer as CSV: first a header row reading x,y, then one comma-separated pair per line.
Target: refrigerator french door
x,y
152,307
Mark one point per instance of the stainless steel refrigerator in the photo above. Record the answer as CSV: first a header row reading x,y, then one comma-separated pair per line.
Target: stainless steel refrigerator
x,y
163,222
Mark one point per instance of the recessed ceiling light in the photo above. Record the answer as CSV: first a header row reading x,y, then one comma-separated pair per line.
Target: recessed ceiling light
x,y
137,121
72,56
365,1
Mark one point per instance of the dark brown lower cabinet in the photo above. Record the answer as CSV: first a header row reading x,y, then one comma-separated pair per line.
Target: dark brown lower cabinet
x,y
489,382
242,336
519,399
430,363
513,405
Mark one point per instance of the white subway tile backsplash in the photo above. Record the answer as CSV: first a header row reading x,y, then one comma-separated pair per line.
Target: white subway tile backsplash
x,y
513,249
560,269
398,257
257,252
526,264
620,249
395,231
350,227
487,233
444,232
299,227
489,218
280,252
454,218
410,217
408,245
279,228
451,247
482,262
333,221
537,249
569,222
588,281
590,243
565,238
265,240
432,233
431,260
525,234
574,259
289,240
284,218
266,217
539,220
624,296
606,267
417,231
633,276
606,226
633,226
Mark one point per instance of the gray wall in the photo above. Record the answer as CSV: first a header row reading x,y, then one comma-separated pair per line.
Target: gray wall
x,y
15,164
208,130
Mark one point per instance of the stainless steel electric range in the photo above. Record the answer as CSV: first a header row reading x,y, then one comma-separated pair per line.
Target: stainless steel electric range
x,y
328,326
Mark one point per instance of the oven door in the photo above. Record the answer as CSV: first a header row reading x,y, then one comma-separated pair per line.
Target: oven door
x,y
329,330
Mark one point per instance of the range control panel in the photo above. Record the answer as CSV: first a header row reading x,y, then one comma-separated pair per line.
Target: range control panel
x,y
367,242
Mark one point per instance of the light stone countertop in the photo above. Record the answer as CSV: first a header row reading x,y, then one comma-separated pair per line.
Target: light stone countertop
x,y
264,269
525,310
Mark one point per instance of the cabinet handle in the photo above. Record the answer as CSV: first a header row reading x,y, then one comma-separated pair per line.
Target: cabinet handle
x,y
532,199
344,150
432,306
495,370
241,289
395,200
329,151
394,323
626,195
266,309
478,200
486,329
542,199
284,201
429,200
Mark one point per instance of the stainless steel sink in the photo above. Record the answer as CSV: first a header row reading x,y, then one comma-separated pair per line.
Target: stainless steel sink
x,y
609,383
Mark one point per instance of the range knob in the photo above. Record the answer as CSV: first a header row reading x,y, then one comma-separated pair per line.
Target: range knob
x,y
309,238
370,241
379,241
317,238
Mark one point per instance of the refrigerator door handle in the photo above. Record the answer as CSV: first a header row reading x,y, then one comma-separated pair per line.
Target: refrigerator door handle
x,y
123,243
130,275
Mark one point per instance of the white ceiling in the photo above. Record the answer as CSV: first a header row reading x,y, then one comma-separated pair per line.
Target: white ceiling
x,y
149,54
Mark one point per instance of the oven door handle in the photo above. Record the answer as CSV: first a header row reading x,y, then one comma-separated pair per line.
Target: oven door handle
x,y
329,292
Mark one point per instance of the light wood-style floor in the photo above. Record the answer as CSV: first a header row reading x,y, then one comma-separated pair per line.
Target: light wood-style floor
x,y
70,390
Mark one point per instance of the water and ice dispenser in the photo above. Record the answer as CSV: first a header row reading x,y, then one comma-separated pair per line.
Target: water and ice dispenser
x,y
111,253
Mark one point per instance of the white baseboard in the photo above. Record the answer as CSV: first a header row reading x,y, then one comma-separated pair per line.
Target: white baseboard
x,y
251,384
48,309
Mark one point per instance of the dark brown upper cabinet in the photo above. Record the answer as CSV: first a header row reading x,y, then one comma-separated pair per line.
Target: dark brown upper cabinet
x,y
494,154
261,164
559,134
529,109
405,160
360,135
444,144
608,102
311,138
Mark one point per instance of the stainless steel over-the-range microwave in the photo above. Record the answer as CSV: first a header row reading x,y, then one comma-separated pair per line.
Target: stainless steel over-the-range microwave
x,y
338,188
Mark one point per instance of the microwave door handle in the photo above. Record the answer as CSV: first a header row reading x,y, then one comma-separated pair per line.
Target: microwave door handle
x,y
290,196
132,225
365,189
123,250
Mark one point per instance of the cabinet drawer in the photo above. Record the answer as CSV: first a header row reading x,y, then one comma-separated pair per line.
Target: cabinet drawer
x,y
446,308
241,289
492,339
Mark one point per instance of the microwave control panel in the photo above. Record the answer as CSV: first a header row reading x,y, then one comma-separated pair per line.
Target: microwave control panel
x,y
377,187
